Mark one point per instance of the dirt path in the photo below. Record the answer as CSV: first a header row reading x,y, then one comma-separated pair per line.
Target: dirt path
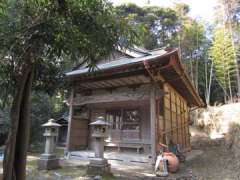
x,y
216,163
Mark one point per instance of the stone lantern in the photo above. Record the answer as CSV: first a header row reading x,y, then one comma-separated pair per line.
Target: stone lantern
x,y
99,165
48,159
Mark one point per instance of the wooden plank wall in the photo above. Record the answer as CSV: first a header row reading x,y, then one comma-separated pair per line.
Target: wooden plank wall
x,y
100,109
78,134
173,122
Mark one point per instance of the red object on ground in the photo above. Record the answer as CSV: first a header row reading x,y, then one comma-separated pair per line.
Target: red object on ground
x,y
173,162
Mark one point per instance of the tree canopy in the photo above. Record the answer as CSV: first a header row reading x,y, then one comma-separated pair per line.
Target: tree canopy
x,y
159,24
37,37
222,54
41,39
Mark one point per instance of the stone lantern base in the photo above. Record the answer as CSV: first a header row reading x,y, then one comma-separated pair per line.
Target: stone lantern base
x,y
98,166
1,174
48,162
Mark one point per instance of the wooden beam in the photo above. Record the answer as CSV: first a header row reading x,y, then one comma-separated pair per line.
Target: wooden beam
x,y
159,77
70,120
91,85
123,81
134,80
143,79
153,121
119,82
112,83
118,94
101,77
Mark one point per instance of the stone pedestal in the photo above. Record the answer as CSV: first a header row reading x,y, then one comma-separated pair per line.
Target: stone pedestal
x,y
1,174
48,162
1,169
98,166
99,147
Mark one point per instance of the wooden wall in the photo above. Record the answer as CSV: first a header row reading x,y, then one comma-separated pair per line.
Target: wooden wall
x,y
79,132
101,100
99,109
172,120
145,124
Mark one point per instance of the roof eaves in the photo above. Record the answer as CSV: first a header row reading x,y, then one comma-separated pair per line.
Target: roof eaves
x,y
118,63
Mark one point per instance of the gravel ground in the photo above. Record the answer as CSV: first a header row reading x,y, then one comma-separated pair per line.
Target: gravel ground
x,y
216,163
211,163
209,160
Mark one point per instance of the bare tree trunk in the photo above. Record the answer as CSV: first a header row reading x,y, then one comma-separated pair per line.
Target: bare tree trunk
x,y
230,87
225,98
196,68
196,76
206,82
230,28
191,68
209,86
17,143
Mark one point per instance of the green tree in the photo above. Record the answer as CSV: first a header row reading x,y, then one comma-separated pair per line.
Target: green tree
x,y
192,42
45,32
222,55
41,111
193,45
172,27
228,17
159,24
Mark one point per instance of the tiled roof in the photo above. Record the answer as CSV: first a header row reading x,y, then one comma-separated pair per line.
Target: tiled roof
x,y
122,61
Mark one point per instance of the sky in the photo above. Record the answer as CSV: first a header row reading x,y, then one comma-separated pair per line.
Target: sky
x,y
201,9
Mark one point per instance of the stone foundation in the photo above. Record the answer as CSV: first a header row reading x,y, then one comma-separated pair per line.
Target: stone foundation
x,y
48,162
1,174
98,166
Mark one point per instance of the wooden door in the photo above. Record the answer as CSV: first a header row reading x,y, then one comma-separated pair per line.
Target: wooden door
x,y
114,118
79,133
131,125
125,124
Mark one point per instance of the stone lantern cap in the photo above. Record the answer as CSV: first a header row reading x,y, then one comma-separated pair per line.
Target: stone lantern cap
x,y
100,122
51,123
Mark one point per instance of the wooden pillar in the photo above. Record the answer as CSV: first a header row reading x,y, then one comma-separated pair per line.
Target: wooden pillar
x,y
153,121
69,121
